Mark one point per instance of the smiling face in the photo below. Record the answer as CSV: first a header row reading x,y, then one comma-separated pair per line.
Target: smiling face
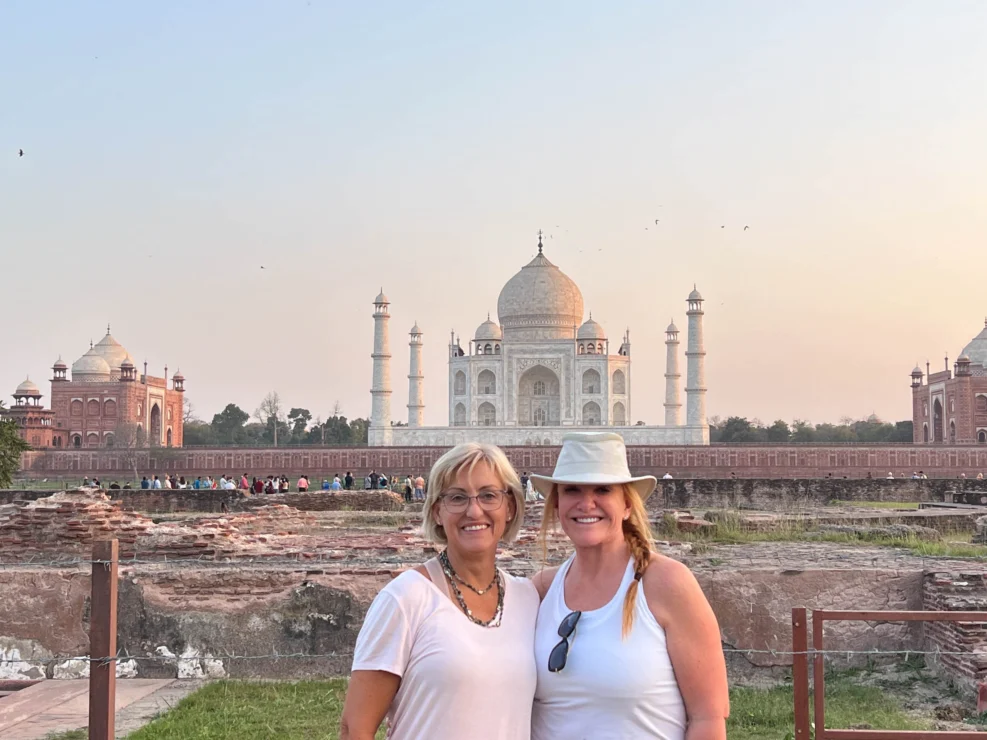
x,y
592,515
474,530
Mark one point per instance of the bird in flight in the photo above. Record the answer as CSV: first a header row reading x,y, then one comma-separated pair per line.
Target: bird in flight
x,y
262,267
20,152
723,227
746,227
656,220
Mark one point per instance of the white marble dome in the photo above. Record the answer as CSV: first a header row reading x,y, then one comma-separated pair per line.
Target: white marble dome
x,y
111,350
591,330
976,350
489,331
540,296
91,367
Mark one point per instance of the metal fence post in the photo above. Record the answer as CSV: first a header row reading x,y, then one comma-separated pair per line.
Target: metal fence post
x,y
800,672
103,641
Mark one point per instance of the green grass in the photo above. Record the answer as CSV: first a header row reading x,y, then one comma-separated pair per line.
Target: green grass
x,y
729,530
249,710
70,735
758,714
310,710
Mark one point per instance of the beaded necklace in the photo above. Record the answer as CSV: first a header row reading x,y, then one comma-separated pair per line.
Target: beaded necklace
x,y
495,620
444,559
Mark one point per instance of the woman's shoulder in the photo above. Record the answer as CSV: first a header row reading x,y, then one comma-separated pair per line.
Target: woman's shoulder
x,y
542,580
409,585
669,587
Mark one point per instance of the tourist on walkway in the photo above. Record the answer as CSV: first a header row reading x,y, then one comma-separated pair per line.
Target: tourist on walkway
x,y
348,480
374,480
445,651
640,653
336,485
408,489
419,488
244,485
145,483
156,483
303,484
258,485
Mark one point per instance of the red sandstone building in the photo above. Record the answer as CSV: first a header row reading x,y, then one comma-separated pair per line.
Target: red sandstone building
x,y
950,407
104,404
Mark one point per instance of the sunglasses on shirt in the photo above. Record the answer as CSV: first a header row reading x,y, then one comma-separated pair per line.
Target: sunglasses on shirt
x,y
559,654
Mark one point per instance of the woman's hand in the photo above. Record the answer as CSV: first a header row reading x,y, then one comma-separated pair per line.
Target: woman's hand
x,y
694,646
369,695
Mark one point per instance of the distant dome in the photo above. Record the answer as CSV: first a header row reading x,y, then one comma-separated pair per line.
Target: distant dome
x,y
127,363
591,330
976,350
415,329
917,371
59,364
695,295
90,367
111,350
28,388
540,296
381,298
489,331
671,327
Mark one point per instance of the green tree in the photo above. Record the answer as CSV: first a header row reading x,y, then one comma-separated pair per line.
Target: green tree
x,y
732,428
359,431
228,423
11,447
299,419
779,433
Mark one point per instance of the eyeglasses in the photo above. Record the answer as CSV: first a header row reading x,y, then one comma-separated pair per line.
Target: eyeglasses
x,y
559,654
457,503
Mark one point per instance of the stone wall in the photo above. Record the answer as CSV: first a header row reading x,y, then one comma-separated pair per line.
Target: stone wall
x,y
163,501
795,494
938,461
953,592
201,614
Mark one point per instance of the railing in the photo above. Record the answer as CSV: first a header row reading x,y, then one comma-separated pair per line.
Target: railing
x,y
800,672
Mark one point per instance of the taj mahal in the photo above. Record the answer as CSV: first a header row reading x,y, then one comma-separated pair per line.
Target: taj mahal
x,y
538,372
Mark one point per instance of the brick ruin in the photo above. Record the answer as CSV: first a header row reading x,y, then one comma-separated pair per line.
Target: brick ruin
x,y
272,579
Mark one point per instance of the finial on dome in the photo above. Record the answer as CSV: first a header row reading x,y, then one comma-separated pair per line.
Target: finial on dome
x,y
539,242
107,328
90,344
488,316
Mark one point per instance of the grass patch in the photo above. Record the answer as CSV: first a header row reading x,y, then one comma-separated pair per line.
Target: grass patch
x,y
310,710
758,714
70,735
250,710
729,529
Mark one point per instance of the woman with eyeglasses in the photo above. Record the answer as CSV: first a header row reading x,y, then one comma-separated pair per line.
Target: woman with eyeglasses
x,y
626,644
446,649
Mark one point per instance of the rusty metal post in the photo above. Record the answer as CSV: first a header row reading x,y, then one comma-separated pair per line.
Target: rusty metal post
x,y
818,676
800,672
103,641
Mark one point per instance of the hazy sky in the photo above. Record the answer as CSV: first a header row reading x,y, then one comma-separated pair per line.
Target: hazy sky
x,y
171,149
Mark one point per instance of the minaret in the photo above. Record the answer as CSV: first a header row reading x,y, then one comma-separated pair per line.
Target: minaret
x,y
416,381
673,402
695,355
380,412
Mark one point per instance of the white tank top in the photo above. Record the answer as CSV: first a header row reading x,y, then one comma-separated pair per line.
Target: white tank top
x,y
610,688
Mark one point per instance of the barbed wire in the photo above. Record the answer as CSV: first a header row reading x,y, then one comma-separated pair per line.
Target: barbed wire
x,y
227,656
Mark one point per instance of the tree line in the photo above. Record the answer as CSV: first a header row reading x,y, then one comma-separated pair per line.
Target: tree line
x,y
738,430
272,424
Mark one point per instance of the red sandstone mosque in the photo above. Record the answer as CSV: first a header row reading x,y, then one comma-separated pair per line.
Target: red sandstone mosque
x,y
104,404
950,407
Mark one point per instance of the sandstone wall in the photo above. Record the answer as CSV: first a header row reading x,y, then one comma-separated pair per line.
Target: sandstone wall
x,y
794,494
938,461
952,591
204,614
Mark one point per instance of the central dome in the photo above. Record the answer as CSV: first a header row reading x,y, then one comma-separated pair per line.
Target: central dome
x,y
977,349
540,302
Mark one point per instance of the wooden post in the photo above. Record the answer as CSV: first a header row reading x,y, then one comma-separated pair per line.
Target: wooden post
x,y
800,672
103,641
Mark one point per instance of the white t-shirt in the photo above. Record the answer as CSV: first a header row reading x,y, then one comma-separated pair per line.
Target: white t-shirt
x,y
458,680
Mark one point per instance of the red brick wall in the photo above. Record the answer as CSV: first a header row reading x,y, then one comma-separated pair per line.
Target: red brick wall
x,y
957,592
937,461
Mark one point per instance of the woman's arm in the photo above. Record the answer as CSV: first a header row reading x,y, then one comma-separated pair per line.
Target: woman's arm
x,y
543,579
694,646
369,695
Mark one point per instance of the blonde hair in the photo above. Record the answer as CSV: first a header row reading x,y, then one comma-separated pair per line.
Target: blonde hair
x,y
637,535
467,456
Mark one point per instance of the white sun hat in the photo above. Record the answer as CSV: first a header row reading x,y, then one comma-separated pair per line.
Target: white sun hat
x,y
594,457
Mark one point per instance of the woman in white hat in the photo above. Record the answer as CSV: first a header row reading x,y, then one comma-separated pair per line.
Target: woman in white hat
x,y
446,649
626,644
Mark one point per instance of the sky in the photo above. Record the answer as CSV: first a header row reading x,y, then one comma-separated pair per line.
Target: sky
x,y
172,149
